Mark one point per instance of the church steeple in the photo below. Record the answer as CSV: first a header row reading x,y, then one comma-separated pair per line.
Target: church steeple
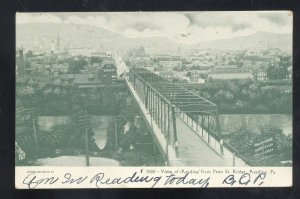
x,y
57,42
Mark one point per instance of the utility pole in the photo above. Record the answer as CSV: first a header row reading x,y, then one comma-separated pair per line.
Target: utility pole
x,y
175,130
34,132
87,150
83,119
32,112
116,136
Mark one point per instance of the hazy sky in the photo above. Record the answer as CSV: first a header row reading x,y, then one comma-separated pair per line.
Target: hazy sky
x,y
182,27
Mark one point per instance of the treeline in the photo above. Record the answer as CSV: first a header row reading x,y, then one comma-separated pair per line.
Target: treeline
x,y
246,96
280,145
66,139
61,97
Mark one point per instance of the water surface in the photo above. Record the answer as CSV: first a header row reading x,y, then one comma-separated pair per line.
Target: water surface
x,y
231,122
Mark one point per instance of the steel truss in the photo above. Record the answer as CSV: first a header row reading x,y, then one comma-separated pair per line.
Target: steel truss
x,y
165,100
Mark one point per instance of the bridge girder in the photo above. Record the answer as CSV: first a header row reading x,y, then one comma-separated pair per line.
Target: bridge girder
x,y
165,100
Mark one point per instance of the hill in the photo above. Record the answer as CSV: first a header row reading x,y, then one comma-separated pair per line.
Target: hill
x,y
95,37
86,36
256,41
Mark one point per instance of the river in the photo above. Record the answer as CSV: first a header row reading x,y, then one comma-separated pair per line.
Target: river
x,y
230,122
99,123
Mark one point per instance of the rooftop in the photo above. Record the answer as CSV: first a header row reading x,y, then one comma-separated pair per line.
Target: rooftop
x,y
230,75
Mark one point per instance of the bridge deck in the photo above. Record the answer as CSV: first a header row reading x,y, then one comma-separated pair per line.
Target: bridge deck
x,y
193,151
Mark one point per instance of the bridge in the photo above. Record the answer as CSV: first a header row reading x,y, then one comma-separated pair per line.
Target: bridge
x,y
184,126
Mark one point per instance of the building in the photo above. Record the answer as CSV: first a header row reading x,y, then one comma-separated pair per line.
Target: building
x,y
84,80
171,63
290,72
84,51
230,76
169,75
101,54
60,68
20,63
140,61
227,69
229,72
198,76
261,76
108,72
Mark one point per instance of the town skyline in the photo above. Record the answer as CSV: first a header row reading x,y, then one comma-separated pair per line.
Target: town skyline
x,y
44,35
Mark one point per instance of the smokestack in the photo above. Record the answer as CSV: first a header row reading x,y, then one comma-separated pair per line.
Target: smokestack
x,y
21,66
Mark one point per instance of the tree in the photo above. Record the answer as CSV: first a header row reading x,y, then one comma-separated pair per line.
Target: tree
x,y
77,65
96,59
275,72
243,139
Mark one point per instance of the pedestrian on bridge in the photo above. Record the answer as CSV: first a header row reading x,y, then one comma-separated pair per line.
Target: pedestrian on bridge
x,y
221,147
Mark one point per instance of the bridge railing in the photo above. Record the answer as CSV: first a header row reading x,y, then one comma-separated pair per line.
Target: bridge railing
x,y
160,111
214,141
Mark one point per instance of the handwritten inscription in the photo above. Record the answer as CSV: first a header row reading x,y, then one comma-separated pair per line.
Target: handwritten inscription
x,y
148,179
173,179
70,180
100,179
32,181
245,179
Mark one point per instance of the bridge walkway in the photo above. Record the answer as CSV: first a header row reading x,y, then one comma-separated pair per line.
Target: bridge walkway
x,y
193,151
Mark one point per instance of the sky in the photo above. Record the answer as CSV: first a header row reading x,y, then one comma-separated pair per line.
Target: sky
x,y
181,27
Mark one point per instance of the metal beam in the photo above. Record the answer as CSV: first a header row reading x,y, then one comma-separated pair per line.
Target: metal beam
x,y
170,93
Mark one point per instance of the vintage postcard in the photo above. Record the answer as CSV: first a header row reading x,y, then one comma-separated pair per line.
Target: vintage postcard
x,y
154,99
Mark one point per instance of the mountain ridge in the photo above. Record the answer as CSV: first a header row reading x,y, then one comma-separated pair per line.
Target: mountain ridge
x,y
95,37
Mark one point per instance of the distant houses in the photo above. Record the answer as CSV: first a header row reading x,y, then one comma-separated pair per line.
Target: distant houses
x,y
79,69
168,75
229,72
230,76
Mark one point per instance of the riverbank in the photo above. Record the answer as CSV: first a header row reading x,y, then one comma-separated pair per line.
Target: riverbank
x,y
76,161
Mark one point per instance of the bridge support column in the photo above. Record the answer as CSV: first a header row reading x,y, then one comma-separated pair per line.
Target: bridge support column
x,y
208,129
233,159
146,97
202,125
165,120
151,104
197,123
218,124
161,116
154,107
158,112
168,121
175,130
154,147
134,78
